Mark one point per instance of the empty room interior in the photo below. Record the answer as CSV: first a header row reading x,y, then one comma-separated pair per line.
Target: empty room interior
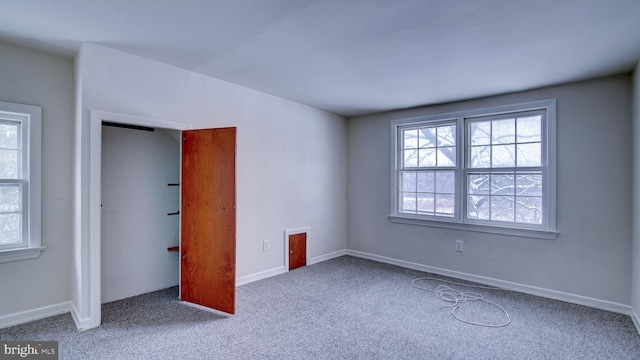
x,y
285,179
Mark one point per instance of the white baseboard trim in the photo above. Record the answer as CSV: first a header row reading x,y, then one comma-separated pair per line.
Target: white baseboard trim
x,y
34,314
82,324
243,280
527,289
326,257
636,319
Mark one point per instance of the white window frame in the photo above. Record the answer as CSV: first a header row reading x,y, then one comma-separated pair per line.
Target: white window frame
x,y
30,119
547,230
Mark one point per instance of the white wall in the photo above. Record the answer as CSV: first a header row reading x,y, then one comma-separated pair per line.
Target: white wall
x,y
136,230
592,255
635,276
291,163
33,78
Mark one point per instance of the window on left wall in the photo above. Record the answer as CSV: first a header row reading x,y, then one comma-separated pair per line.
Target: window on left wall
x,y
20,173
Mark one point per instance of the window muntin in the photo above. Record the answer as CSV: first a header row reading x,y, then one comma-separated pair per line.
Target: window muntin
x,y
503,172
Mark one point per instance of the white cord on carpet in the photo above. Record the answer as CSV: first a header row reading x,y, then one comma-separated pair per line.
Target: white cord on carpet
x,y
455,297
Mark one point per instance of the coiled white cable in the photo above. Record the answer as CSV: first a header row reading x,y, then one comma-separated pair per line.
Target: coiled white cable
x,y
455,297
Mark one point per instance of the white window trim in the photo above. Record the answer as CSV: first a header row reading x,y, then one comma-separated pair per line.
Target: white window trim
x,y
32,125
457,222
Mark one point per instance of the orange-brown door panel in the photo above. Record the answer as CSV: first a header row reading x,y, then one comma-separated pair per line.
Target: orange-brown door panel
x,y
297,250
208,218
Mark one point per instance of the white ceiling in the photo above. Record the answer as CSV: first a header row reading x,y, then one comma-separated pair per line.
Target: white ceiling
x,y
350,57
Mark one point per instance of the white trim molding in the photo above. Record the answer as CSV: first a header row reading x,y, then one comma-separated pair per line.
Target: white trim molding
x,y
35,314
487,229
325,257
82,324
526,289
92,289
243,280
21,254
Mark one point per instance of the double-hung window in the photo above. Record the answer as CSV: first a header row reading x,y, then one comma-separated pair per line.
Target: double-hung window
x,y
489,170
20,129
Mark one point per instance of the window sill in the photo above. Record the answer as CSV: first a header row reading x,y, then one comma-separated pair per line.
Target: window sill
x,y
499,230
20,254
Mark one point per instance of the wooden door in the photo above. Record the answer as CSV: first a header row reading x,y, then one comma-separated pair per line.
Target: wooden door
x,y
208,218
297,250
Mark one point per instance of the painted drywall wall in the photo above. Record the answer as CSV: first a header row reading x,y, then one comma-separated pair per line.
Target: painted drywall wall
x,y
635,275
137,167
592,255
34,78
291,163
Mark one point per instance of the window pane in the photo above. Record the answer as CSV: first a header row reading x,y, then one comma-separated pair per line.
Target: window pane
x,y
410,139
529,210
478,207
410,158
529,184
426,181
10,198
445,182
10,228
408,203
427,157
9,136
480,133
444,204
502,184
529,154
502,208
480,156
446,156
447,135
427,137
478,184
9,164
529,129
503,131
503,156
408,181
425,203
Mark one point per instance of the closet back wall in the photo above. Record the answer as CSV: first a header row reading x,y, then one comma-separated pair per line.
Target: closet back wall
x,y
137,165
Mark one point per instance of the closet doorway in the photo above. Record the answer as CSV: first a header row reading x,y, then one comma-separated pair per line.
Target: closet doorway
x,y
139,211
207,214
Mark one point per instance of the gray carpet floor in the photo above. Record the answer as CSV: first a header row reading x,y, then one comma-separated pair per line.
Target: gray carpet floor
x,y
345,308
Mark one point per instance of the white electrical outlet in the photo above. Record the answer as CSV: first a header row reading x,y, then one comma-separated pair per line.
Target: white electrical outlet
x,y
265,245
459,245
